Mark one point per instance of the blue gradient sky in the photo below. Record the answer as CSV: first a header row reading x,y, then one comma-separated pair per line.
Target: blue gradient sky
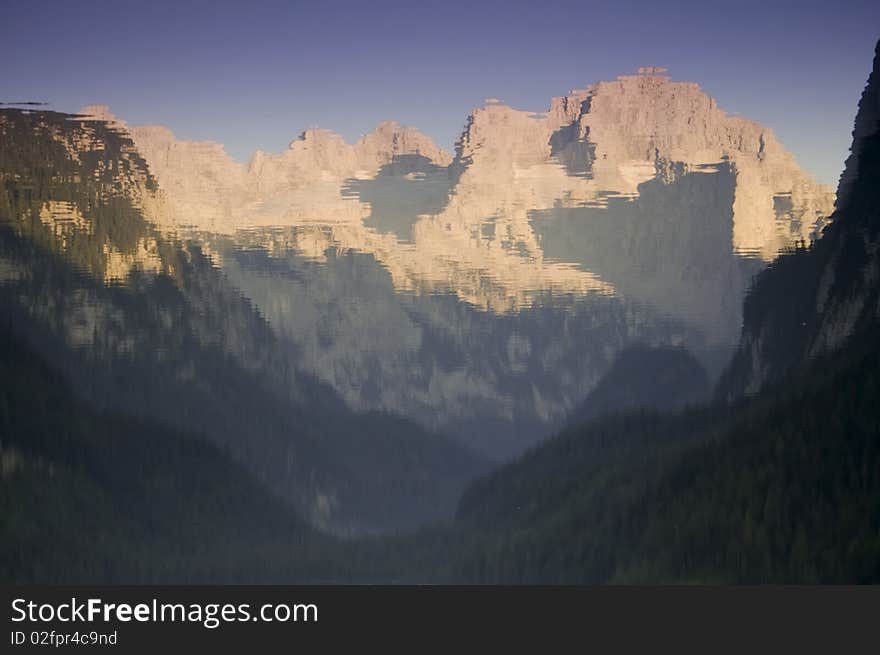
x,y
254,74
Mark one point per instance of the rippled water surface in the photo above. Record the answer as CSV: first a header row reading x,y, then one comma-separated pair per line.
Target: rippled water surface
x,y
482,292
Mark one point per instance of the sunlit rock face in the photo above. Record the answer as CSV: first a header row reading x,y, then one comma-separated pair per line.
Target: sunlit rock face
x,y
485,292
644,127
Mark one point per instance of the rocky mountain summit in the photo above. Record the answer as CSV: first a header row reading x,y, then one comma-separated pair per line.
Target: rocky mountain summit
x,y
593,144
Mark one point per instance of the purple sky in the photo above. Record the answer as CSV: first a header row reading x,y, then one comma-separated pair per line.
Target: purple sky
x,y
254,74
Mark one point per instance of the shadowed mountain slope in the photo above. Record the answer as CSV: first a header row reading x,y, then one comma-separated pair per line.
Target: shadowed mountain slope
x,y
645,377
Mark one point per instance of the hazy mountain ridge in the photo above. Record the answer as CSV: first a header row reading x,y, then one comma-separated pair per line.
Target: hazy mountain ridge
x,y
646,378
496,382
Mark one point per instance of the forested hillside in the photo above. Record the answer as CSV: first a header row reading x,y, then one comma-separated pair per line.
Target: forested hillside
x,y
782,488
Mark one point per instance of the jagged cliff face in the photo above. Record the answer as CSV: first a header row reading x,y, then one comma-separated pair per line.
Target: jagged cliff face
x,y
631,210
208,190
809,303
